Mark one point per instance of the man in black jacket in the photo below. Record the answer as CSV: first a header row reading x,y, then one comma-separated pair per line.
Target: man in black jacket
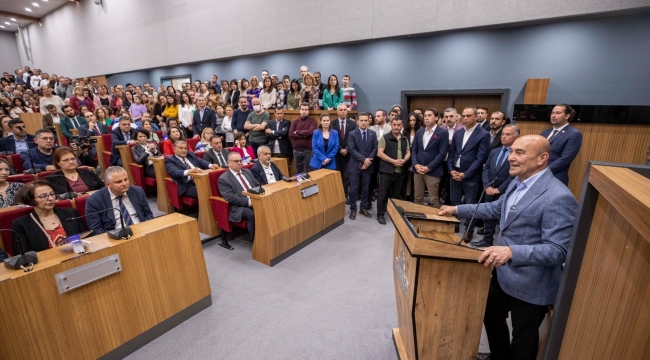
x,y
343,158
203,117
277,132
393,150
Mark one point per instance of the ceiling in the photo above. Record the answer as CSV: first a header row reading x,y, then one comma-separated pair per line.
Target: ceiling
x,y
16,9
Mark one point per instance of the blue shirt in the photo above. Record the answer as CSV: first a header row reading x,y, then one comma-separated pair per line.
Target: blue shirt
x,y
21,146
239,119
522,189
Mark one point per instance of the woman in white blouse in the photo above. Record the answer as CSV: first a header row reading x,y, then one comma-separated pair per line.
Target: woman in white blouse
x,y
226,126
185,113
268,95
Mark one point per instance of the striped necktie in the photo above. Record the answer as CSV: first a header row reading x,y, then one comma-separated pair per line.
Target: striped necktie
x,y
125,213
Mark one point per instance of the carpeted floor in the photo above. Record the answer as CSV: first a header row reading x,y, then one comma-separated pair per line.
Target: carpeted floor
x,y
334,299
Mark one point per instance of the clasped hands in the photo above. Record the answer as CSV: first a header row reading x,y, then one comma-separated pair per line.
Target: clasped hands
x,y
456,175
366,163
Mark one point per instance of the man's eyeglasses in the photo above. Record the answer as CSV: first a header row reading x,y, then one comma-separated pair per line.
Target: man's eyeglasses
x,y
20,128
46,196
235,161
47,138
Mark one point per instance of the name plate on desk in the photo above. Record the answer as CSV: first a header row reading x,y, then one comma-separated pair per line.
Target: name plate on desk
x,y
309,191
88,273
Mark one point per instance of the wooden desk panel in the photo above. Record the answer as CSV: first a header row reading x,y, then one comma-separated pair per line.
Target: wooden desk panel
x,y
207,225
100,147
163,273
33,121
125,155
282,164
162,197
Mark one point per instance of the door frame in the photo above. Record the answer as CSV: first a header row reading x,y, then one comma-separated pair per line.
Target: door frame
x,y
505,95
162,78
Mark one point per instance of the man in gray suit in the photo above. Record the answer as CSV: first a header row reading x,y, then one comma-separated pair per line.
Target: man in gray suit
x,y
536,214
231,184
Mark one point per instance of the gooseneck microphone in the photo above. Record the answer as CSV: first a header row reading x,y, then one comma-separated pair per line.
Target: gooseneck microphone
x,y
24,259
475,210
116,234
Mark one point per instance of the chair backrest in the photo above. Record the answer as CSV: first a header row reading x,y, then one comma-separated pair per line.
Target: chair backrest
x,y
191,143
17,163
80,205
213,177
108,142
6,220
199,154
43,174
23,178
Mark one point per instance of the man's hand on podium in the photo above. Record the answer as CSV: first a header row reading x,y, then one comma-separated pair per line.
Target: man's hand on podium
x,y
447,210
495,256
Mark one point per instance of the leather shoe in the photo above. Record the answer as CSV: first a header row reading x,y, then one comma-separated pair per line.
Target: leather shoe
x,y
457,228
365,213
481,243
481,231
381,219
468,238
353,214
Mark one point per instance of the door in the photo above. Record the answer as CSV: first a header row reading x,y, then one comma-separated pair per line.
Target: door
x,y
459,102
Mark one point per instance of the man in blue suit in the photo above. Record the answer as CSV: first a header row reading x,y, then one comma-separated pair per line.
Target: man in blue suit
x,y
496,178
565,141
181,165
118,194
203,117
362,146
430,146
537,214
20,141
264,171
469,150
122,134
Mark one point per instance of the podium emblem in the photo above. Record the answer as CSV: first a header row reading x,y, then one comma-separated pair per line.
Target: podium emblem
x,y
400,270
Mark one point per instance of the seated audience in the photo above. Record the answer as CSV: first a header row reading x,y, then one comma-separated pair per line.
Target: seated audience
x,y
93,127
231,184
143,150
46,226
264,171
122,134
174,134
71,121
69,177
51,117
42,156
7,189
246,152
324,145
19,141
118,194
182,164
19,107
148,125
216,154
204,143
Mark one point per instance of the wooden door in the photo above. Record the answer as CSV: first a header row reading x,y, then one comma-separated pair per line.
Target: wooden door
x,y
459,102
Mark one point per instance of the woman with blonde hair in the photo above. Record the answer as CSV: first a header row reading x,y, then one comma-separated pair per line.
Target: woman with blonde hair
x,y
310,92
253,91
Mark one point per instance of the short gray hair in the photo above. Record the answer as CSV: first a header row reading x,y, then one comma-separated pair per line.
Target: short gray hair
x,y
513,126
450,110
108,173
231,154
178,142
261,148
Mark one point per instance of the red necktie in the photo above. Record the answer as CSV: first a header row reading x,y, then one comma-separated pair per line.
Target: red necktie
x,y
342,129
243,181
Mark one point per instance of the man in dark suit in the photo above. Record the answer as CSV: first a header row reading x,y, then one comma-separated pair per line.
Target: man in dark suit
x,y
497,122
203,117
92,128
20,141
496,176
277,132
122,134
342,157
71,121
430,146
231,184
468,152
118,194
181,165
264,171
565,140
362,146
216,154
53,116
481,118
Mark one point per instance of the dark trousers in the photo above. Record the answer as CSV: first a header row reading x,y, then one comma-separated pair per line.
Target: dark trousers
x,y
249,216
190,191
390,186
342,167
443,190
256,145
149,172
361,181
490,225
374,179
467,189
526,319
302,158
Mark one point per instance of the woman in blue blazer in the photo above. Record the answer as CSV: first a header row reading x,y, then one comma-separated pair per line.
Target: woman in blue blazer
x,y
324,145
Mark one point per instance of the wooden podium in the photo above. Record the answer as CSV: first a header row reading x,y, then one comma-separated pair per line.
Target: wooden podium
x,y
603,307
440,287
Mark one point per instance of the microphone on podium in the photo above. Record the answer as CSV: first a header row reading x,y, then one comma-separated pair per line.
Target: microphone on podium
x,y
19,261
116,234
475,210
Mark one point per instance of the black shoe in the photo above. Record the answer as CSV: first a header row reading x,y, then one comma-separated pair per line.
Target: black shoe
x,y
481,243
468,237
381,219
481,231
353,215
365,213
457,228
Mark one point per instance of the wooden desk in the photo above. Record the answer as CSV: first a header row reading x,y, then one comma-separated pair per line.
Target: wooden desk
x,y
163,282
162,198
100,147
125,155
285,222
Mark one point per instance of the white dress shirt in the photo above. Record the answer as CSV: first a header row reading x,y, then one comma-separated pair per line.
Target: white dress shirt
x,y
268,171
559,130
466,135
146,149
242,184
129,207
186,172
427,135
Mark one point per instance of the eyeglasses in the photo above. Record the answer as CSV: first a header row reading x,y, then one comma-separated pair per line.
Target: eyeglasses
x,y
70,160
46,196
236,161
47,138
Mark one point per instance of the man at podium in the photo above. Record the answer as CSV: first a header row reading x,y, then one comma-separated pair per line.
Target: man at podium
x,y
536,214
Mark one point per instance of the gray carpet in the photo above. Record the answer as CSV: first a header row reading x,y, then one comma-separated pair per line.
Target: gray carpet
x,y
334,299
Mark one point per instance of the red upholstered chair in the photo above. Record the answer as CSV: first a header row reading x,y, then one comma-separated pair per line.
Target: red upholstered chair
x,y
108,143
221,210
23,178
177,201
199,154
80,205
191,143
43,174
110,128
17,163
137,171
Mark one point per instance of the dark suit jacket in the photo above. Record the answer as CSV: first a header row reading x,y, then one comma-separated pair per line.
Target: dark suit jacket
x,y
357,152
496,143
233,98
84,131
34,239
140,156
258,173
281,133
101,200
210,156
474,154
209,120
564,148
231,190
60,182
176,169
66,125
118,139
433,156
343,138
9,143
499,173
486,125
48,122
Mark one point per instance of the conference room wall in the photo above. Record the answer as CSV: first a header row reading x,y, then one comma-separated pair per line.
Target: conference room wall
x,y
595,61
9,60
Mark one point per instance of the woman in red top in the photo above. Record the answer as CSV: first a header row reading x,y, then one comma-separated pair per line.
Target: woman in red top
x,y
117,101
79,99
173,135
246,152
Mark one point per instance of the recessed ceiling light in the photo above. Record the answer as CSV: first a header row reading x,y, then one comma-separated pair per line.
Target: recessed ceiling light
x,y
28,9
2,26
12,19
35,4
8,23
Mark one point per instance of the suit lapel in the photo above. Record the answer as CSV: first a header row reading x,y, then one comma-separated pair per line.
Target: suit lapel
x,y
538,188
559,133
109,204
470,139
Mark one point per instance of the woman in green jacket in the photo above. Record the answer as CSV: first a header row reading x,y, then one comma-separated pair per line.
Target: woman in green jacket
x,y
333,95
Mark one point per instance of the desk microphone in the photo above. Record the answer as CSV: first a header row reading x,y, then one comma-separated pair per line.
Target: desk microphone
x,y
258,190
116,234
304,175
68,195
19,261
475,210
33,170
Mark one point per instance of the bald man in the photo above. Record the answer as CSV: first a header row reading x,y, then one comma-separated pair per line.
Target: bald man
x,y
536,214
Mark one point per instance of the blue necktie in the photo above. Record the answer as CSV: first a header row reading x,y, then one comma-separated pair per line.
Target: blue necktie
x,y
127,137
503,152
363,140
125,213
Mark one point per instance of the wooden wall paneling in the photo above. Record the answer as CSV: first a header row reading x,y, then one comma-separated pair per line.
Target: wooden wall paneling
x,y
536,91
100,79
33,121
491,102
424,102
